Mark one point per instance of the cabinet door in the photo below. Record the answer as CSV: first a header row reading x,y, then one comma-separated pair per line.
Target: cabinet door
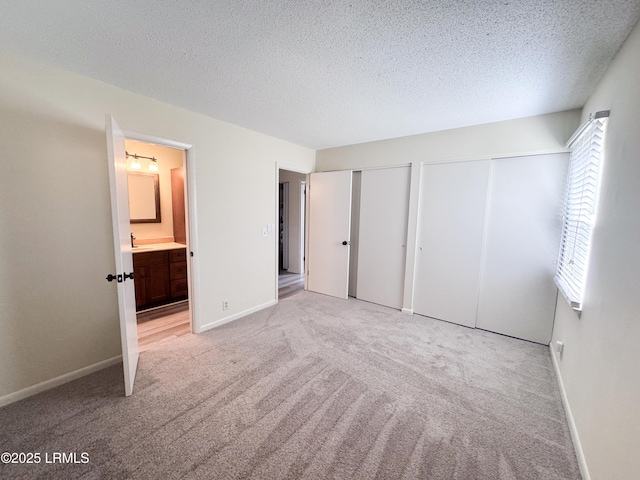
x,y
522,237
157,283
179,289
140,282
450,226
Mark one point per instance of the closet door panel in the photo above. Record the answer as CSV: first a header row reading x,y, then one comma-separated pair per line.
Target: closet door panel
x,y
450,230
522,237
384,206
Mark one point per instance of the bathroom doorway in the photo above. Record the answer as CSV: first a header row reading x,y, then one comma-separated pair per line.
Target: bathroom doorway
x,y
158,205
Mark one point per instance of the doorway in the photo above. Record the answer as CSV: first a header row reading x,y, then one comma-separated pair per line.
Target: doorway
x,y
158,223
291,232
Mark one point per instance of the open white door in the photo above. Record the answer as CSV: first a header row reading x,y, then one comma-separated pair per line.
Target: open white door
x,y
329,197
122,246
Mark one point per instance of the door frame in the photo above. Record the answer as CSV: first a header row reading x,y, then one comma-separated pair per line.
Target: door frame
x,y
193,283
304,171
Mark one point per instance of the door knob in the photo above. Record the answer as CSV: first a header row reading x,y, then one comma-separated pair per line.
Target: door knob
x,y
346,243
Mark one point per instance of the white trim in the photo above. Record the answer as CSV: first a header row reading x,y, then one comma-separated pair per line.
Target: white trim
x,y
293,168
276,220
408,311
193,265
57,381
362,169
497,156
575,437
307,185
144,137
235,316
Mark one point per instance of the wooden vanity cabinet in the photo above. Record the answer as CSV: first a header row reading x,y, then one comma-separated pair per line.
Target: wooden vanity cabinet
x,y
160,277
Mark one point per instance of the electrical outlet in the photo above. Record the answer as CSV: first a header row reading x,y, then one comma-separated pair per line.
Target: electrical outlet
x,y
225,305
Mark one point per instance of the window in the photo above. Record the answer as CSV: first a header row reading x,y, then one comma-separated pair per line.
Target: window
x,y
587,150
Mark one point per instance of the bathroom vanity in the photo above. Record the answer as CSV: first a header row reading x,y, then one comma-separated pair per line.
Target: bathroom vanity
x,y
160,274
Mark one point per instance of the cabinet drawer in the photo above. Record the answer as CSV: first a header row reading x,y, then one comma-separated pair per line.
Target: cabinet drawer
x,y
177,270
179,288
179,255
149,258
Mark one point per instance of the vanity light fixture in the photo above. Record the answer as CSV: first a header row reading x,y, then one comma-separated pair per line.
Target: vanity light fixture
x,y
135,163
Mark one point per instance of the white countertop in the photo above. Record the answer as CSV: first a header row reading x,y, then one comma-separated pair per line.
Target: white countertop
x,y
156,247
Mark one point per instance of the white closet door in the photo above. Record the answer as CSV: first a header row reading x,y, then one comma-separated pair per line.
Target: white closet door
x,y
450,226
329,196
384,206
522,237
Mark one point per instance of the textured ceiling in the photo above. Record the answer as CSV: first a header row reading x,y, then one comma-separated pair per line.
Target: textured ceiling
x,y
329,73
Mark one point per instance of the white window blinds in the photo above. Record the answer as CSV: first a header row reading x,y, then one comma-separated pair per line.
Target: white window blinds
x,y
587,149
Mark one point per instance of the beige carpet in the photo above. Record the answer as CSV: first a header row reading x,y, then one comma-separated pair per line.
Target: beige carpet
x,y
316,388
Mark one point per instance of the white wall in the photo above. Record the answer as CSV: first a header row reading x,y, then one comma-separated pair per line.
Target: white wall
x,y
296,250
57,313
525,136
600,367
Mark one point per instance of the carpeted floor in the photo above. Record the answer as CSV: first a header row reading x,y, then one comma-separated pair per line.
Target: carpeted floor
x,y
314,387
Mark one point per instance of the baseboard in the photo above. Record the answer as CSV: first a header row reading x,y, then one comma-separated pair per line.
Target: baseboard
x,y
582,462
408,311
57,381
235,316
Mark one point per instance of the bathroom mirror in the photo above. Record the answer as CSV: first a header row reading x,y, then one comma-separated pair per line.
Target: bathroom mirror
x,y
144,197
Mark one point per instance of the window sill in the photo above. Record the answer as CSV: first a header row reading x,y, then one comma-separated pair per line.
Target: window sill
x,y
575,306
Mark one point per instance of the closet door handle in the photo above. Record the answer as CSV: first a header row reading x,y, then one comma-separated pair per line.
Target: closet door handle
x,y
346,243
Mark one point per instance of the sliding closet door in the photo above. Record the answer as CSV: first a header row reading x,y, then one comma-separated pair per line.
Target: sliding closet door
x,y
450,227
329,197
384,206
522,236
